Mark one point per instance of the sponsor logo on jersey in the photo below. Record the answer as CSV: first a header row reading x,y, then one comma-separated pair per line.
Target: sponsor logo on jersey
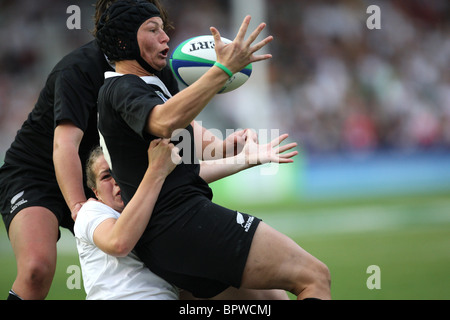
x,y
240,220
161,95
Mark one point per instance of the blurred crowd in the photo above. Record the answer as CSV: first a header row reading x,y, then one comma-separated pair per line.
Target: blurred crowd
x,y
345,87
335,85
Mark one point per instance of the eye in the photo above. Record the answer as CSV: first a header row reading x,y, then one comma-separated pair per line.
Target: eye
x,y
106,176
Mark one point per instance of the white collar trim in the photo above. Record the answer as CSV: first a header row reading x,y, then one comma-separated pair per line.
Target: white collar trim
x,y
154,80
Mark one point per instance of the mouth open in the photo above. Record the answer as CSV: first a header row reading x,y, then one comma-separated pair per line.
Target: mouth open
x,y
165,52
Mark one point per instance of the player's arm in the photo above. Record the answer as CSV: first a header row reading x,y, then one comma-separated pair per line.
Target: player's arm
x,y
252,155
211,147
119,237
180,110
67,164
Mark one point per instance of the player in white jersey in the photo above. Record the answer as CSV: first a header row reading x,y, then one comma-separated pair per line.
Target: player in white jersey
x,y
106,232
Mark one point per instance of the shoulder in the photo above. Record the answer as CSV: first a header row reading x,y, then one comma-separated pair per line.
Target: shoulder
x,y
94,207
86,61
84,57
91,214
124,87
126,81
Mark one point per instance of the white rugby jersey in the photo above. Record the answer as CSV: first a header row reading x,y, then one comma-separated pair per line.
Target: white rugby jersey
x,y
106,277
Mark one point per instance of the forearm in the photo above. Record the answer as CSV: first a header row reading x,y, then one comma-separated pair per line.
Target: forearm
x,y
135,217
69,173
180,110
208,145
213,170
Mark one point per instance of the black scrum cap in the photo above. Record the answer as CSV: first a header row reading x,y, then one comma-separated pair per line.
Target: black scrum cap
x,y
118,27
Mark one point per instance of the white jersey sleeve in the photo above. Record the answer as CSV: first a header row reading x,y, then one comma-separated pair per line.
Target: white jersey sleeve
x,y
106,277
90,216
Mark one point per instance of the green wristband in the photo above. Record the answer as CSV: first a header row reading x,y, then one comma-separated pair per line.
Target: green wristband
x,y
225,69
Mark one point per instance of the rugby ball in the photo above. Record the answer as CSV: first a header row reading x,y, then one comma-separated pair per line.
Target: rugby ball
x,y
195,56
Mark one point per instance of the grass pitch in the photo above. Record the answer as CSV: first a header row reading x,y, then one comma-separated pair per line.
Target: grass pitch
x,y
408,238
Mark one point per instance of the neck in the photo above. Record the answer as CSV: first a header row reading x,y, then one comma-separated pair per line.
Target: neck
x,y
131,67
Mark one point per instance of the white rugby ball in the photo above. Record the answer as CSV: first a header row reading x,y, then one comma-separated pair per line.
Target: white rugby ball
x,y
193,57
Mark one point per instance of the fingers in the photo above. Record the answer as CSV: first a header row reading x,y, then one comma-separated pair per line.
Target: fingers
x,y
252,39
261,58
175,155
282,156
279,139
261,44
154,143
243,29
163,155
288,155
251,135
174,151
281,160
169,145
160,144
240,53
255,34
287,147
216,34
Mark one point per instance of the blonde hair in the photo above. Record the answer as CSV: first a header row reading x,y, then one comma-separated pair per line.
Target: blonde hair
x,y
91,177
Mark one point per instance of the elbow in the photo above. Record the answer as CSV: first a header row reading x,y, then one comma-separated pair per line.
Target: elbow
x,y
163,130
167,132
120,249
57,149
165,125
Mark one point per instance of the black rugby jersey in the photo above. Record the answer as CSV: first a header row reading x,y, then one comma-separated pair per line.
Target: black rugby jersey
x,y
70,93
124,105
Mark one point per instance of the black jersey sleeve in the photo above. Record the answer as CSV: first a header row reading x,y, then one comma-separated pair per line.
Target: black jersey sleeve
x,y
74,98
133,99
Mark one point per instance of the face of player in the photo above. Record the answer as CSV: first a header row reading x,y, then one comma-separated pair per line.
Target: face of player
x,y
152,40
107,190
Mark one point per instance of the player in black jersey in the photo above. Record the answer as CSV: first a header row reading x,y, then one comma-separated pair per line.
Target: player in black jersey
x,y
190,241
61,127
58,135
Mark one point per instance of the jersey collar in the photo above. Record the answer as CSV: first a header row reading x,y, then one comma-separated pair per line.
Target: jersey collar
x,y
153,80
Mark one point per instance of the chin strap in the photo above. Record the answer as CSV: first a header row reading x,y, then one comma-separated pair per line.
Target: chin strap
x,y
145,65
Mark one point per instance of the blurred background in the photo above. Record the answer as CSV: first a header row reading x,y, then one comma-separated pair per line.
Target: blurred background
x,y
370,110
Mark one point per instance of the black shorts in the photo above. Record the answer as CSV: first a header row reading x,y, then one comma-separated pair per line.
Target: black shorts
x,y
20,189
203,251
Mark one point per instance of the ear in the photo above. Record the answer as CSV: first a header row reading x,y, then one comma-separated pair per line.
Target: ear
x,y
96,193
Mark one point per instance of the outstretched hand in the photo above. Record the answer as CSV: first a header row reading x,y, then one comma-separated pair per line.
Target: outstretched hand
x,y
256,154
235,142
240,53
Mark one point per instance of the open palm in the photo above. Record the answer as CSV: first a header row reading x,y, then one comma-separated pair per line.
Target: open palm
x,y
271,152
